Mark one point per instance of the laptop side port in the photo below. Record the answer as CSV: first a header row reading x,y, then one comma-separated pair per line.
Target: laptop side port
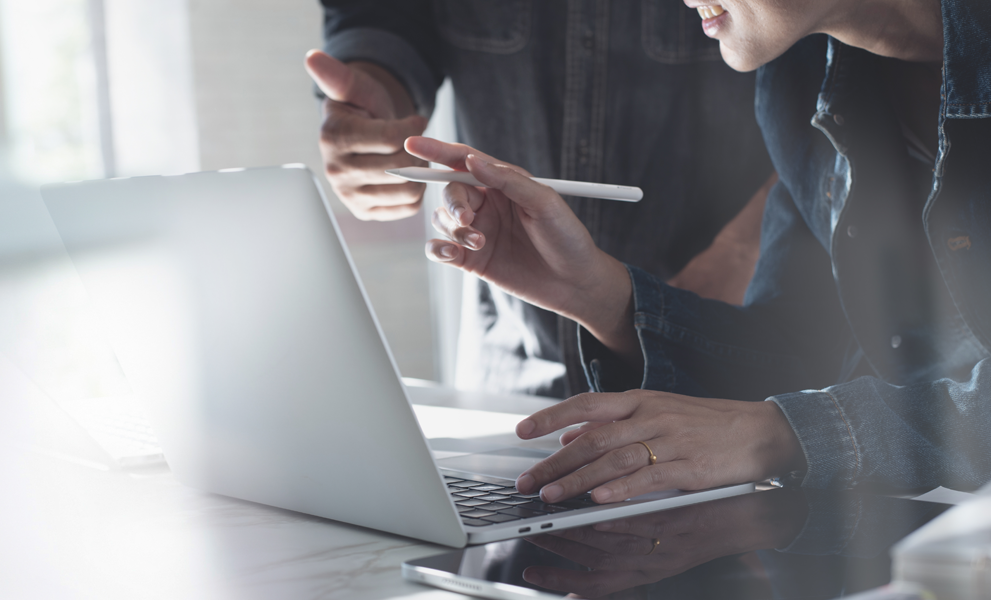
x,y
524,529
547,525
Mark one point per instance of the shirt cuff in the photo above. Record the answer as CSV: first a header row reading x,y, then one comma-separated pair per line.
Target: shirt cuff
x,y
826,436
391,52
607,372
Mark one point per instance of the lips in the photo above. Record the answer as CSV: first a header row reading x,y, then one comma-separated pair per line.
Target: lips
x,y
708,12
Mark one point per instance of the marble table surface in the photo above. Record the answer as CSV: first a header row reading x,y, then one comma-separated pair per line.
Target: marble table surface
x,y
68,531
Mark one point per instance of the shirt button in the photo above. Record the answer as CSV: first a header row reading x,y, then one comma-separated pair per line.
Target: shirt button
x,y
896,340
851,231
839,120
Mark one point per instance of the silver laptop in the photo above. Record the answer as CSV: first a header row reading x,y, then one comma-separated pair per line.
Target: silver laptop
x,y
235,311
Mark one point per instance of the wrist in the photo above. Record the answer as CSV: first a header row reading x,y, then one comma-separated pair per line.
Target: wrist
x,y
604,306
779,451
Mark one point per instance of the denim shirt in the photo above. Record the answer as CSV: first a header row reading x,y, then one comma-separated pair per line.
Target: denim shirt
x,y
630,93
874,283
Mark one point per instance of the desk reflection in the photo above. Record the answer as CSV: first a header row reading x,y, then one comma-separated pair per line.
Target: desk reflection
x,y
775,544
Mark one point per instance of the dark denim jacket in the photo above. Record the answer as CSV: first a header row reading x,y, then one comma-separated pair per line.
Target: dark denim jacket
x,y
623,92
874,283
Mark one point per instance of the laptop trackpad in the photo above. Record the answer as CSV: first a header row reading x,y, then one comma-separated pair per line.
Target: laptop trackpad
x,y
507,463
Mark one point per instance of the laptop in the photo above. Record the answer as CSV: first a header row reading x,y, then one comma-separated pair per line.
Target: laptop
x,y
236,313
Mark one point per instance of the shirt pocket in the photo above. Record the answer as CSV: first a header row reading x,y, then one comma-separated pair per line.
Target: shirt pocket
x,y
672,33
494,26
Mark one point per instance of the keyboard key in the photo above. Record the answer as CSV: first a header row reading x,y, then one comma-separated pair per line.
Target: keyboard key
x,y
450,479
496,506
527,496
502,518
475,522
470,502
469,494
477,514
465,484
515,501
464,509
493,497
492,488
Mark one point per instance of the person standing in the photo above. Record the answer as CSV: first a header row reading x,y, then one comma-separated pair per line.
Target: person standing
x,y
629,93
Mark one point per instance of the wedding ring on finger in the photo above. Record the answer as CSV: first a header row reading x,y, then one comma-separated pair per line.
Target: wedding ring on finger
x,y
653,459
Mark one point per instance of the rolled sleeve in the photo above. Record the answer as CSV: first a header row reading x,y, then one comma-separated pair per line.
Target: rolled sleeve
x,y
391,52
826,436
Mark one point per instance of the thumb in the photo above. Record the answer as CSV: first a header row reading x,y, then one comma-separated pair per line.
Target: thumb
x,y
341,83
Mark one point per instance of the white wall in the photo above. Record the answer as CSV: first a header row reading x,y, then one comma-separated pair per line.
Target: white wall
x,y
150,76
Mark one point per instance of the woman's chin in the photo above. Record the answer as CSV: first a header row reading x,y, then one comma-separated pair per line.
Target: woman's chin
x,y
743,62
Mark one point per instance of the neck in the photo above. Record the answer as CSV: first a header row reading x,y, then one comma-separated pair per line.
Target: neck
x,y
910,30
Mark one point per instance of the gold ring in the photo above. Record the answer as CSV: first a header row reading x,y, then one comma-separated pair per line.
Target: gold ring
x,y
653,459
657,543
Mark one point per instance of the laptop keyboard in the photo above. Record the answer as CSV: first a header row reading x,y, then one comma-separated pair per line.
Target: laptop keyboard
x,y
482,503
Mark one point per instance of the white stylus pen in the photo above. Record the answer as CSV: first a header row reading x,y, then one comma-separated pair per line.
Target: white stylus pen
x,y
566,188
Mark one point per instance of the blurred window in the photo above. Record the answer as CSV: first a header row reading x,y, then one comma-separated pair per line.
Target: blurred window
x,y
51,92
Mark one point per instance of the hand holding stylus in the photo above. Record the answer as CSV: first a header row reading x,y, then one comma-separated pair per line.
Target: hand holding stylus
x,y
521,236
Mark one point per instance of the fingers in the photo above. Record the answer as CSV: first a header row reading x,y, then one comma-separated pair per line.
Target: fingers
x,y
346,131
343,84
468,237
356,170
572,434
461,201
563,475
675,475
443,251
618,548
520,188
449,155
578,409
357,151
609,446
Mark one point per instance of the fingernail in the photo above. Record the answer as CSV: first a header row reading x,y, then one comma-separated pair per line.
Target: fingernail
x,y
448,252
552,492
533,577
525,427
473,240
481,163
607,526
602,494
458,212
525,482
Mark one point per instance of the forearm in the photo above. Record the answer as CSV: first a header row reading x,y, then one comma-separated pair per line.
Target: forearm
x,y
744,229
724,269
604,306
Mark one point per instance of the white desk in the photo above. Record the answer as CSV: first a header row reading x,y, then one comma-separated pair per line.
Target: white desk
x,y
67,532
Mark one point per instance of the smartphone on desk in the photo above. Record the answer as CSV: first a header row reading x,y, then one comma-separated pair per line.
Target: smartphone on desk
x,y
491,571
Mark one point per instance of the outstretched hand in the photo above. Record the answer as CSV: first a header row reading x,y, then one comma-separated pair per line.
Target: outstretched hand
x,y
521,236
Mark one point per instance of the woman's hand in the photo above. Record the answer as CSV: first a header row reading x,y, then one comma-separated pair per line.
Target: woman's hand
x,y
522,237
699,443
